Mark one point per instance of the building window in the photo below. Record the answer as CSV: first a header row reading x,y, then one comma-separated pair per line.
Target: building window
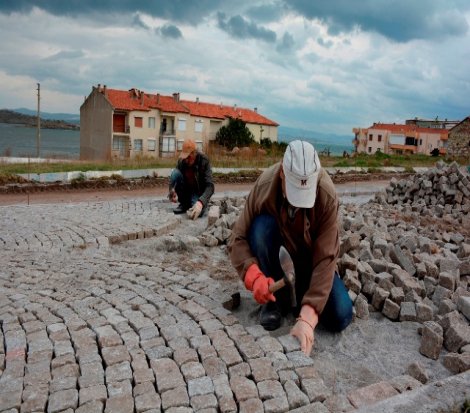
x,y
179,145
370,137
198,125
151,145
182,124
138,122
369,149
380,138
168,144
138,145
152,123
199,145
420,142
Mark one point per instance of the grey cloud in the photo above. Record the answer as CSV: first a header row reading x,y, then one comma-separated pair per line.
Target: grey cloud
x,y
137,22
286,44
324,43
237,26
176,10
268,12
399,20
65,54
169,30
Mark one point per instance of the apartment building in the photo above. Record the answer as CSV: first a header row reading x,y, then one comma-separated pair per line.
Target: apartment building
x,y
399,139
459,140
132,123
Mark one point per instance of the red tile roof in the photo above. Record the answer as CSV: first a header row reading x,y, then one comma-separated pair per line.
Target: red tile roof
x,y
132,100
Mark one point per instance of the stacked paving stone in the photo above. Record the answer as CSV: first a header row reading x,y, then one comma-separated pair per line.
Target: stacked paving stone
x,y
412,272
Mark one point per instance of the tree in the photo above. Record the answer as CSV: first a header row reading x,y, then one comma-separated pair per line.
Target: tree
x,y
234,134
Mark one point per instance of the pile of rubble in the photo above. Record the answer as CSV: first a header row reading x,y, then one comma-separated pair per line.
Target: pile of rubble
x,y
405,254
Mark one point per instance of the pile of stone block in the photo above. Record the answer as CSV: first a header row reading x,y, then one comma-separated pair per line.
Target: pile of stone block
x,y
222,215
409,271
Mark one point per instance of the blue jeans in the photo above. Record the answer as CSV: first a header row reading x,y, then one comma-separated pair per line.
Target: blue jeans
x,y
185,195
265,240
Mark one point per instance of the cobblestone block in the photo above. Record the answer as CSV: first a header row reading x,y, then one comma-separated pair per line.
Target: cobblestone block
x,y
92,407
62,383
34,398
200,386
117,372
407,311
417,371
229,355
93,393
143,375
243,388
192,370
457,363
289,343
214,366
463,305
456,336
185,355
299,359
270,389
177,397
147,401
115,355
119,405
107,336
251,406
10,400
241,369
315,389
391,309
120,388
167,373
269,344
431,340
62,400
262,369
202,402
371,394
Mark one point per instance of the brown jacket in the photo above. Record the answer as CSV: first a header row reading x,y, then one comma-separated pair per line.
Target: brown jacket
x,y
320,240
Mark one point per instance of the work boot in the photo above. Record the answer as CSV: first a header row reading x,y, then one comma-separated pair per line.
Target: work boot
x,y
270,316
180,209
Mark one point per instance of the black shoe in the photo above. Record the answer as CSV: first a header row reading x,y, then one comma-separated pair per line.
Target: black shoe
x,y
180,209
270,316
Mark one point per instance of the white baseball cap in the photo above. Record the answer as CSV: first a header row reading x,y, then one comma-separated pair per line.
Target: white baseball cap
x,y
301,167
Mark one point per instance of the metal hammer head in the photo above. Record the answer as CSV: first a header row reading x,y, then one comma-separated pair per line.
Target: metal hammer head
x,y
287,266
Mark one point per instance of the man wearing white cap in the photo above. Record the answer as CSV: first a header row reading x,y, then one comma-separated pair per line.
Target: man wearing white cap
x,y
191,181
293,204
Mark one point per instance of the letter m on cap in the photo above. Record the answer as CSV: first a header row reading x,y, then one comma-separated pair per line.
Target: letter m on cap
x,y
303,182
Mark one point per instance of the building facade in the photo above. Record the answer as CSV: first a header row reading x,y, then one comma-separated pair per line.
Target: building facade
x,y
459,140
399,139
128,124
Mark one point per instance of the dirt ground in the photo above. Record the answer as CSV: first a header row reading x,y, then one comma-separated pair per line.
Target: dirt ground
x,y
104,190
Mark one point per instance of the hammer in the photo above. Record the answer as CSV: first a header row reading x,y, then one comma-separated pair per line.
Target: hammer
x,y
287,266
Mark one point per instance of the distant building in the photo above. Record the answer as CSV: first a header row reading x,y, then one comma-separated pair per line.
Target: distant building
x,y
131,123
399,139
459,140
432,123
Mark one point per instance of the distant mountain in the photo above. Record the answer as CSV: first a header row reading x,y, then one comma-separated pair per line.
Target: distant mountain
x,y
287,134
66,117
13,117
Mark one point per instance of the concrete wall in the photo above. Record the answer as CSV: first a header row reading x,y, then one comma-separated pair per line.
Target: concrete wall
x,y
96,123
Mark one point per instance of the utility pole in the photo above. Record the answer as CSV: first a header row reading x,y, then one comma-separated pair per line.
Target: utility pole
x,y
38,135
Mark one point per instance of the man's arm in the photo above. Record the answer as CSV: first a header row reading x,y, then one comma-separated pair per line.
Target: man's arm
x,y
207,181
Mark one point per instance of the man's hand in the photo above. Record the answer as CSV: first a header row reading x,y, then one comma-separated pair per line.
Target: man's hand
x,y
304,327
172,195
257,282
195,211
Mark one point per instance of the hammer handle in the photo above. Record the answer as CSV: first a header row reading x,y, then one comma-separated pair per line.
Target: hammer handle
x,y
277,285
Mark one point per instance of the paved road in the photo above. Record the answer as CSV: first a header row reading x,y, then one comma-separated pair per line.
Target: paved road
x,y
96,315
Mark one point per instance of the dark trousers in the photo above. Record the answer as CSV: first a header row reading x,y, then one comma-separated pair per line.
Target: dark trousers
x,y
186,197
265,240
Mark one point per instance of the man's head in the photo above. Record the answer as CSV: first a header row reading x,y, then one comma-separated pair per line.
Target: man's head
x,y
188,153
300,169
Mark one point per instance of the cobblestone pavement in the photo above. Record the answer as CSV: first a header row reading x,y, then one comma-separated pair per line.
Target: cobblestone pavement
x,y
97,315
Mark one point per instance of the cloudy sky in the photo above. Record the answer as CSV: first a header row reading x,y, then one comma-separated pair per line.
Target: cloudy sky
x,y
322,65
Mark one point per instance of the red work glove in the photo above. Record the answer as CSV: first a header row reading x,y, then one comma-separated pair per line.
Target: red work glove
x,y
304,327
257,282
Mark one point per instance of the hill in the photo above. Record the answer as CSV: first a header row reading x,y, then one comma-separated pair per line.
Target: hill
x,y
10,116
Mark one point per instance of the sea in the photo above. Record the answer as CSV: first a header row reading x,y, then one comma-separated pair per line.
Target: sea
x,y
21,141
